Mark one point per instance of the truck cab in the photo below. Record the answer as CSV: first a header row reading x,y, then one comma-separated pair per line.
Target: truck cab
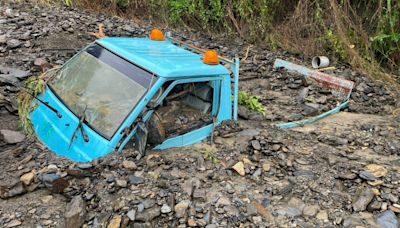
x,y
159,92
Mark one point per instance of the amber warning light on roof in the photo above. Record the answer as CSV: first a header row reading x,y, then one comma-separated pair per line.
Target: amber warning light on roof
x,y
157,35
211,58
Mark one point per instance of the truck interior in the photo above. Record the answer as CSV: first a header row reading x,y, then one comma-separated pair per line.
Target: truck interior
x,y
187,107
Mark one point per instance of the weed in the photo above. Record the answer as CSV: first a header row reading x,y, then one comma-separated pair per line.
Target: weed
x,y
34,85
210,155
26,105
365,34
68,2
251,102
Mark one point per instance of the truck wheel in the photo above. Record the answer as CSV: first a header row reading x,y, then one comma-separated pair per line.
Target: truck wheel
x,y
156,130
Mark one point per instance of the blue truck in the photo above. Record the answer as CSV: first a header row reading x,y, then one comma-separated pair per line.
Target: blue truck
x,y
117,92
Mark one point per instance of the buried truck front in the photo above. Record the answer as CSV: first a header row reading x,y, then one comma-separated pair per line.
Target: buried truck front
x,y
119,92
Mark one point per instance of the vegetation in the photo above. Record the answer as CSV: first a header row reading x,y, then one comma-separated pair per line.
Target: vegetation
x,y
210,154
35,85
251,102
363,33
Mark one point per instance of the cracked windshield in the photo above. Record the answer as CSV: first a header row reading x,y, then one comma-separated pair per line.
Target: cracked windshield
x,y
107,94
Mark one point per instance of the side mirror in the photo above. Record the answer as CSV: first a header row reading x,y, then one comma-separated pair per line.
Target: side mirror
x,y
141,138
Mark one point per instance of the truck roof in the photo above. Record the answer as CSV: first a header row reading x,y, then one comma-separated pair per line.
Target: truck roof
x,y
161,57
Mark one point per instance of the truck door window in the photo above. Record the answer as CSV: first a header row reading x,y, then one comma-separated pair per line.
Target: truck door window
x,y
186,108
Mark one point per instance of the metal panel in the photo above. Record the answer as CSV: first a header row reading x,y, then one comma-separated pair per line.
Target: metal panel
x,y
161,57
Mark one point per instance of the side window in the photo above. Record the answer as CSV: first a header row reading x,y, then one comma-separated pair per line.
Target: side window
x,y
187,107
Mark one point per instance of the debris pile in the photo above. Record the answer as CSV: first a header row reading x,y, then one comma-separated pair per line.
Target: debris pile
x,y
343,171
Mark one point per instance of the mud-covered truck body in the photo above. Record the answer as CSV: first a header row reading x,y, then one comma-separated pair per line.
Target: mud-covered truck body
x,y
159,92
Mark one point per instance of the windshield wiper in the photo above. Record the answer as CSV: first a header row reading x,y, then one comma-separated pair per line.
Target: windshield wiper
x,y
44,103
80,127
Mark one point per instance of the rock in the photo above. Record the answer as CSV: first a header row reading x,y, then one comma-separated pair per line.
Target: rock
x,y
376,192
296,203
115,222
49,178
295,117
147,203
363,200
26,36
388,196
362,219
140,207
52,168
10,191
376,170
375,183
310,211
239,168
395,209
387,220
135,180
165,209
131,215
264,212
14,73
251,209
199,194
75,213
121,183
46,199
180,208
223,201
27,178
374,206
302,95
290,212
246,161
266,166
243,112
201,223
201,164
265,202
13,223
367,176
322,99
12,137
256,144
211,226
276,147
13,43
191,222
362,87
130,165
3,39
9,13
86,165
348,176
148,214
323,216
39,61
257,173
384,206
257,220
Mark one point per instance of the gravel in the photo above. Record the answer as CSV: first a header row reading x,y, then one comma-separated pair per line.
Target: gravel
x,y
311,176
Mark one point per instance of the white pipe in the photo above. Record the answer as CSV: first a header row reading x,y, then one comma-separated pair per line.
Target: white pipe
x,y
320,62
